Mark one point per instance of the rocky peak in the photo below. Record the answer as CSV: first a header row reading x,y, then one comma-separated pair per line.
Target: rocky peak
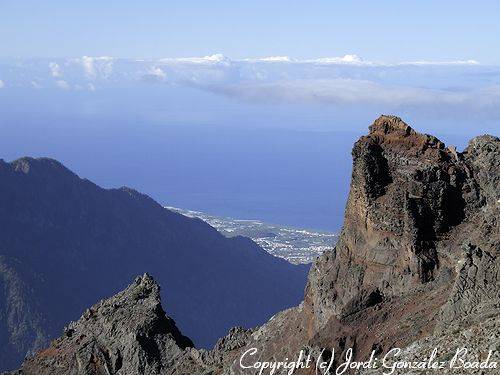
x,y
408,192
386,124
395,136
128,333
417,255
38,166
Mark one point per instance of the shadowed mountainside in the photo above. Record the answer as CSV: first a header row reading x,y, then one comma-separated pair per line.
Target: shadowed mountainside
x,y
65,243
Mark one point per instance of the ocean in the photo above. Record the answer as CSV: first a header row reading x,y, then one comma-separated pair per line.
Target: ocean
x,y
280,164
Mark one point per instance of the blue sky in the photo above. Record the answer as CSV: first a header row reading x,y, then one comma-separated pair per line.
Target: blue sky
x,y
387,31
430,61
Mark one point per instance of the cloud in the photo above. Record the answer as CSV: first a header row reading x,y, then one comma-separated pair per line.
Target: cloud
x,y
55,70
452,86
354,92
346,59
155,74
219,59
95,67
216,59
63,85
355,60
437,63
330,91
276,59
2,84
348,80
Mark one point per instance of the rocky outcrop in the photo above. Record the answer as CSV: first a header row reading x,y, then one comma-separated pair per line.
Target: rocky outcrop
x,y
406,192
417,262
127,334
418,252
130,334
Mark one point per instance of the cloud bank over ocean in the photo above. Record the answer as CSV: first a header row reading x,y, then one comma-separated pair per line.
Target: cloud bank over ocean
x,y
421,86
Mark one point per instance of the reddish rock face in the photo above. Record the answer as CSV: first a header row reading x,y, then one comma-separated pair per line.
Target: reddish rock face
x,y
418,250
406,192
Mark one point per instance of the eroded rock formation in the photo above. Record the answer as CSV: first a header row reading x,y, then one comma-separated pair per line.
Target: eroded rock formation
x,y
417,256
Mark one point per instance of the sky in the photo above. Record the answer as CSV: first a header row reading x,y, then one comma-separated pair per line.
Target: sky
x,y
389,31
245,109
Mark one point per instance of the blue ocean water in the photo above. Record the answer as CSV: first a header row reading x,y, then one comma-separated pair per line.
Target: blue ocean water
x,y
294,178
279,164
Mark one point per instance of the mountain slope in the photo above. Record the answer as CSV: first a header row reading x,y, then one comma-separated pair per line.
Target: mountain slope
x,y
65,242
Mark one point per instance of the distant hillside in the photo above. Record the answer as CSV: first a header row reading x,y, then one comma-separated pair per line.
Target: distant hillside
x,y
65,242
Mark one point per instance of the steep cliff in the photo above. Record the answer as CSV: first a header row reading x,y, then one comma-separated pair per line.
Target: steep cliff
x,y
417,256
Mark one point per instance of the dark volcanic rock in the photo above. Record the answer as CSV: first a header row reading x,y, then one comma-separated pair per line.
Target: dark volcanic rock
x,y
66,243
130,334
127,334
418,252
406,192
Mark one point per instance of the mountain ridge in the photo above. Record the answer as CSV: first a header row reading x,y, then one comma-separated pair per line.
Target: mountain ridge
x,y
66,242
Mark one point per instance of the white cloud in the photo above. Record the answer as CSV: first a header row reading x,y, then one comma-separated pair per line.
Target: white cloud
x,y
55,69
451,62
341,92
88,66
346,59
276,59
356,60
353,59
2,84
155,74
63,85
216,59
348,80
349,59
97,66
455,85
